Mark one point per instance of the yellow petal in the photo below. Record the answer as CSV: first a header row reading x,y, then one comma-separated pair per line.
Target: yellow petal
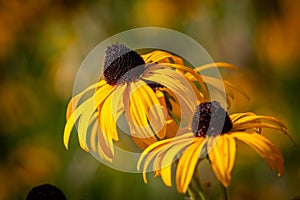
x,y
248,118
242,121
216,64
101,94
197,76
111,110
236,88
93,134
105,143
117,100
83,123
136,114
74,101
270,153
161,98
171,128
85,108
179,86
165,160
161,147
73,118
187,164
147,160
103,151
161,57
151,148
256,118
237,116
154,111
222,156
223,86
255,125
85,117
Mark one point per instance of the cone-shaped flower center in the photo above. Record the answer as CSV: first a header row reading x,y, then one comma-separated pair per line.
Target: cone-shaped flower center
x,y
210,119
122,64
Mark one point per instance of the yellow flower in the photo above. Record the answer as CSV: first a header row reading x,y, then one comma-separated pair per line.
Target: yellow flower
x,y
213,134
140,87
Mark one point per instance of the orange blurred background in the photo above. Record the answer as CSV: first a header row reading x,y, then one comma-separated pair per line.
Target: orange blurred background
x,y
42,44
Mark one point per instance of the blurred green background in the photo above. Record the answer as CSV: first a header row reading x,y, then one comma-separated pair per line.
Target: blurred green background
x,y
42,44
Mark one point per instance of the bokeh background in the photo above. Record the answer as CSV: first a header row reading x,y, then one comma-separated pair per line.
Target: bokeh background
x,y
42,44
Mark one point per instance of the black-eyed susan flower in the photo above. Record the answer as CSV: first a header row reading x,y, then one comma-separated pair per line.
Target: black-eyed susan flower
x,y
213,134
140,87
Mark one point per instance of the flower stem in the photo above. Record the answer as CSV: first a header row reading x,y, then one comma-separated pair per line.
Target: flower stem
x,y
193,193
224,192
195,190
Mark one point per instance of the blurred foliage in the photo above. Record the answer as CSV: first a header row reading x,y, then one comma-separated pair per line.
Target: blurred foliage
x,y
42,44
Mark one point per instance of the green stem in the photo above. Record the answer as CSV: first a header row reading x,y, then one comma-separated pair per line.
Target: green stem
x,y
195,190
196,178
224,192
193,193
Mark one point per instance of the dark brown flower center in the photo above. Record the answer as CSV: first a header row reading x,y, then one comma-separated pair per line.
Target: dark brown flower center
x,y
122,64
210,119
45,191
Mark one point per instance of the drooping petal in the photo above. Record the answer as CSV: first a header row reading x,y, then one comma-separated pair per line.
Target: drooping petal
x,y
173,113
164,160
216,64
162,102
136,113
148,155
194,74
219,85
221,153
255,125
150,148
249,118
179,86
87,109
147,117
161,57
73,118
224,86
187,164
103,93
117,101
93,143
105,145
89,140
92,137
254,121
110,111
75,100
236,88
83,124
107,120
155,112
270,153
166,157
237,116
